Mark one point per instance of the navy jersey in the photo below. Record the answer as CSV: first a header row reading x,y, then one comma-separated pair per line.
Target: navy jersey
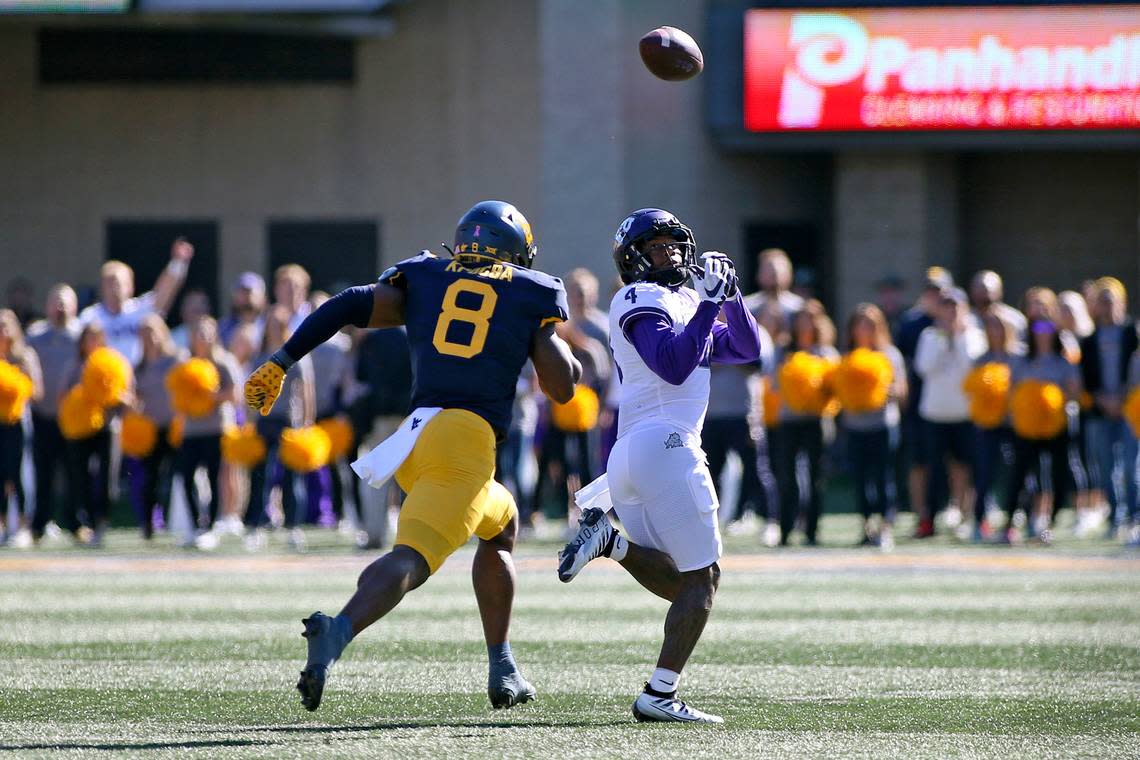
x,y
471,320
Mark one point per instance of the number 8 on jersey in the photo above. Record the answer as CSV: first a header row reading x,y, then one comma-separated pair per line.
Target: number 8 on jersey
x,y
479,319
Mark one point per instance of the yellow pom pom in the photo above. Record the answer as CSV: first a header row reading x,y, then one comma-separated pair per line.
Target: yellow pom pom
x,y
340,433
1131,410
805,382
304,449
106,376
1038,410
579,414
193,387
176,431
242,446
771,404
139,435
987,387
862,380
15,390
79,417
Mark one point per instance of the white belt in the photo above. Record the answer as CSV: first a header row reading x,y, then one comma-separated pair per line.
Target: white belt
x,y
379,465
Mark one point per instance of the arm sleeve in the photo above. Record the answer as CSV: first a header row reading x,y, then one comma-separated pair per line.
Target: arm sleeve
x,y
301,386
672,356
738,341
1133,370
35,372
898,374
349,307
971,345
147,301
926,354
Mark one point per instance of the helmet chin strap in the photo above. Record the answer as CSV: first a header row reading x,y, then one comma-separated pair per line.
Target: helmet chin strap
x,y
671,277
685,271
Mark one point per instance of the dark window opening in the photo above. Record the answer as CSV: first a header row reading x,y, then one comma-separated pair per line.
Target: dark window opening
x,y
145,246
337,254
182,56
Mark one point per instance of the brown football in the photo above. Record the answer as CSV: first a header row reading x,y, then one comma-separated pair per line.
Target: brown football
x,y
671,54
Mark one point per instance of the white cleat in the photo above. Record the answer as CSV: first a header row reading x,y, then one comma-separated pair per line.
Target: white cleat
x,y
668,709
886,539
296,540
772,534
230,525
594,539
254,540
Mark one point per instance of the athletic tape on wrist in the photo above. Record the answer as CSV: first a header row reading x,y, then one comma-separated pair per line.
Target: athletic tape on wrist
x,y
282,359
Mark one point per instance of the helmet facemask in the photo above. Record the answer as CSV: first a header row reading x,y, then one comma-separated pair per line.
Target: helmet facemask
x,y
673,274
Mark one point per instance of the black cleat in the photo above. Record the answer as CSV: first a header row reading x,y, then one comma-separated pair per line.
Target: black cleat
x,y
510,690
325,647
312,686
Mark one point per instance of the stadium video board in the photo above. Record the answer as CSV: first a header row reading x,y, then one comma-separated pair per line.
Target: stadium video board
x,y
64,6
1050,68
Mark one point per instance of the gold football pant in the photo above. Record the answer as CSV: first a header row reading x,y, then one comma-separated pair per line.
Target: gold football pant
x,y
452,493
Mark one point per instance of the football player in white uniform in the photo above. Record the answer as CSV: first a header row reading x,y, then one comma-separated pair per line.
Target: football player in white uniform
x,y
664,336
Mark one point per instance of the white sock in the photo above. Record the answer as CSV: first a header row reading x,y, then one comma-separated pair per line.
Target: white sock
x,y
664,681
620,547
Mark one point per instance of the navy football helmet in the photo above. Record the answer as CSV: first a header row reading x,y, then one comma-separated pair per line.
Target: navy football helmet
x,y
632,256
496,229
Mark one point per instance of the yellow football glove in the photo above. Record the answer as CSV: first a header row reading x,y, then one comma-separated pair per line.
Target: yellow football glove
x,y
263,386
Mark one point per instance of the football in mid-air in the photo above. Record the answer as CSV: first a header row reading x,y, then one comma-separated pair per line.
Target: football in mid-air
x,y
671,54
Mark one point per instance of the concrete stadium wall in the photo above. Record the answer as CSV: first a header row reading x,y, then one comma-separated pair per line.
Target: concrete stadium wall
x,y
538,103
443,113
541,103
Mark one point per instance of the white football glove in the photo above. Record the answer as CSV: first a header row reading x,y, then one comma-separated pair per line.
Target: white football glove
x,y
718,282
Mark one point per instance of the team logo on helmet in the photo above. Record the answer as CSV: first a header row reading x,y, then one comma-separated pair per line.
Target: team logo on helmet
x,y
623,230
526,230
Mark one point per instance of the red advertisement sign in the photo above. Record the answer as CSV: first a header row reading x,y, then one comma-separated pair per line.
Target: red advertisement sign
x,y
1049,68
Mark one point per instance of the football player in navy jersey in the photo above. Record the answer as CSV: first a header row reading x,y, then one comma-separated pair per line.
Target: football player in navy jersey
x,y
473,319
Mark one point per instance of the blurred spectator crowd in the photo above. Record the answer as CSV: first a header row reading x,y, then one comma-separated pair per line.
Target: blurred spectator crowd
x,y
982,417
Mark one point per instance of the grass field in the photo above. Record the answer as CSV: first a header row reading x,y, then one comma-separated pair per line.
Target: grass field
x,y
934,651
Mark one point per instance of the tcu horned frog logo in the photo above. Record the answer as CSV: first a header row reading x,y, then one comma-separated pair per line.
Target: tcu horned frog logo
x,y
623,229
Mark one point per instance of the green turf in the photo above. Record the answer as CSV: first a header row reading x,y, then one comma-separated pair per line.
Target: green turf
x,y
938,651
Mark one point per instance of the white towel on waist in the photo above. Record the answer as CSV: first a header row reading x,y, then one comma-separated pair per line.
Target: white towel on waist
x,y
596,493
379,465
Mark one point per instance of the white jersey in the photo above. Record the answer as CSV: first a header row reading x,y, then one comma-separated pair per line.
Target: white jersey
x,y
644,397
122,329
